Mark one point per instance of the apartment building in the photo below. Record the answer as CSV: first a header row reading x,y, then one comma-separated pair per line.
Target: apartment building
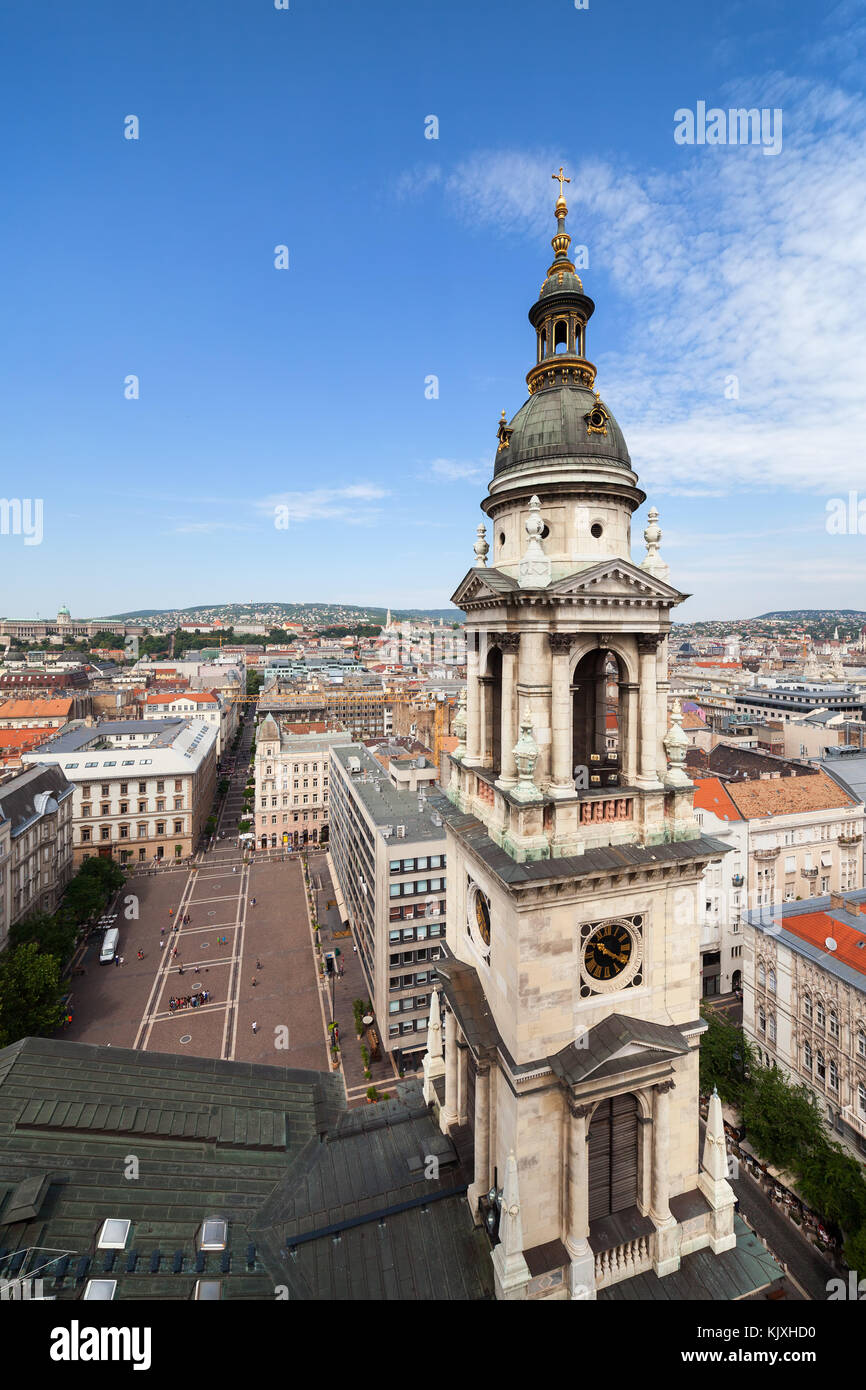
x,y
37,714
387,853
794,702
292,772
791,838
196,704
143,788
35,843
361,712
804,1002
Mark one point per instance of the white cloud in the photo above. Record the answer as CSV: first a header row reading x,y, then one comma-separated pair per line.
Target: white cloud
x,y
734,265
454,470
349,504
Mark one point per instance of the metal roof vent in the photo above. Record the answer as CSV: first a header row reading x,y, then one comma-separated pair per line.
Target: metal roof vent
x,y
114,1234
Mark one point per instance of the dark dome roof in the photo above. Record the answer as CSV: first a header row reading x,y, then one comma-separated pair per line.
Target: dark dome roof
x,y
552,425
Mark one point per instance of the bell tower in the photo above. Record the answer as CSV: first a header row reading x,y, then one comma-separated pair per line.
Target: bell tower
x,y
571,986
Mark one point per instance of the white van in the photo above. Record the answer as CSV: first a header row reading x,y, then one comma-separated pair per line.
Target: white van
x,y
109,946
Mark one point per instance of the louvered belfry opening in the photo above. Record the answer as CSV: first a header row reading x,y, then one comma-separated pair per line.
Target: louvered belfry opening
x,y
613,1157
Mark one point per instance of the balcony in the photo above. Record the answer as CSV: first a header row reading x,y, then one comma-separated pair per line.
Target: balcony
x,y
763,855
737,880
854,1120
850,839
809,873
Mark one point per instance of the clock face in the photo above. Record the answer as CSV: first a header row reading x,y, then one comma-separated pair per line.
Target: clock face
x,y
482,917
607,952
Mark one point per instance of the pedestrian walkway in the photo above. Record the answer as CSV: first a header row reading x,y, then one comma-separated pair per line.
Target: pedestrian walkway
x,y
344,989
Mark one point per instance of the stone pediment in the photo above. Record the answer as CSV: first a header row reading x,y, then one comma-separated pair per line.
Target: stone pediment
x,y
618,579
483,584
616,1037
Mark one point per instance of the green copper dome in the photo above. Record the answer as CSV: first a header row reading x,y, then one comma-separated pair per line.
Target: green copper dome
x,y
557,423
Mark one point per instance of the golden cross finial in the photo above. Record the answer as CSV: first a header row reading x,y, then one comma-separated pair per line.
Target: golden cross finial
x,y
562,180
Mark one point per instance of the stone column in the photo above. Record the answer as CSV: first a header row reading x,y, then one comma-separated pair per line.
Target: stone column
x,y
449,1112
485,696
582,1271
473,703
509,644
561,769
630,734
462,1083
667,1257
481,1181
648,776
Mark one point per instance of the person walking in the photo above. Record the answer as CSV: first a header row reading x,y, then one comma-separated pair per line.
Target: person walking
x,y
140,954
255,1027
258,965
255,982
116,959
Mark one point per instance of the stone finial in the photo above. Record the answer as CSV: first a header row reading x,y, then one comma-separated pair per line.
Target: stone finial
x,y
654,564
526,756
534,571
434,1027
510,1225
433,1064
481,546
512,1272
676,744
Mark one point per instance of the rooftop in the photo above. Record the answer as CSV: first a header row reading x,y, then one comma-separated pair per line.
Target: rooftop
x,y
384,804
805,927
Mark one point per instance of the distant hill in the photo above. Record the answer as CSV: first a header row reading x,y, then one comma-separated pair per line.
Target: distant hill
x,y
805,615
316,614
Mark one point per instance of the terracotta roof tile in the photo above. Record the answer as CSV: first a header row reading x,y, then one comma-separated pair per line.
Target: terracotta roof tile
x,y
711,795
815,927
786,796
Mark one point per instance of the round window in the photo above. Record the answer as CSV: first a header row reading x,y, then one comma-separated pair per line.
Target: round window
x,y
596,530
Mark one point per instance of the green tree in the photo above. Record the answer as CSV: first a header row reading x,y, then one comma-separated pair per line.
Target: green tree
x,y
833,1181
30,993
54,935
726,1058
782,1121
254,682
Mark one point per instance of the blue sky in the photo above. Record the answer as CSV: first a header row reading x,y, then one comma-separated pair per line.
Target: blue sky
x,y
411,257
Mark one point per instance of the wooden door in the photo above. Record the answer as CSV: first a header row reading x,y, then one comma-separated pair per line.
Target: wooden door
x,y
613,1157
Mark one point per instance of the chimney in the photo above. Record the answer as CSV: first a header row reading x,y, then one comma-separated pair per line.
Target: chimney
x,y
837,903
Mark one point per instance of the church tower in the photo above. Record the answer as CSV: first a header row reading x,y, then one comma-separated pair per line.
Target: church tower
x,y
571,985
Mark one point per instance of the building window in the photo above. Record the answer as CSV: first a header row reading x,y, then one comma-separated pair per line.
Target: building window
x,y
833,1076
807,1055
771,981
762,974
771,1028
160,827
807,1005
820,1067
861,1044
819,1015
861,1096
105,832
762,1021
124,832
85,834
833,1024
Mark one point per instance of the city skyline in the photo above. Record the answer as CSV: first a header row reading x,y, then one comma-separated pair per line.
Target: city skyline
x,y
714,271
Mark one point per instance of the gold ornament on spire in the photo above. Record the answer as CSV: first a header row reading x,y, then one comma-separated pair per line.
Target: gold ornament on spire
x,y
562,180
